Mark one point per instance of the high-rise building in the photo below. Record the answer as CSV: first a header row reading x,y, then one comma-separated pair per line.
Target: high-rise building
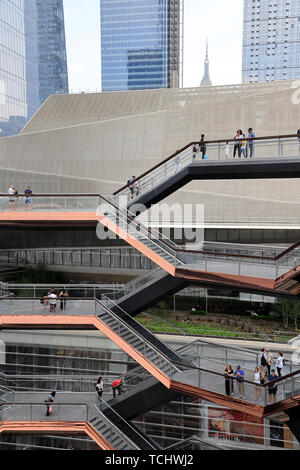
x,y
33,62
271,47
206,81
53,71
140,44
19,81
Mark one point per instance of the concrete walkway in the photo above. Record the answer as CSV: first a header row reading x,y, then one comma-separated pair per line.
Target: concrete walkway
x,y
67,406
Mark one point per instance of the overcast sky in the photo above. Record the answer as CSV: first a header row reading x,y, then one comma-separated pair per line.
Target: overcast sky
x,y
219,20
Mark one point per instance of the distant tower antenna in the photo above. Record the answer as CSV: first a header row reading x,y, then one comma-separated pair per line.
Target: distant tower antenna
x,y
206,81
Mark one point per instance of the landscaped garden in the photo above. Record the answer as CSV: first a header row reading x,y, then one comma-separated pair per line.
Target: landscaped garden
x,y
275,321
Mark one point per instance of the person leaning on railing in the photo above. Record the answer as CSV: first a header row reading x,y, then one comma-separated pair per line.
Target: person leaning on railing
x,y
117,385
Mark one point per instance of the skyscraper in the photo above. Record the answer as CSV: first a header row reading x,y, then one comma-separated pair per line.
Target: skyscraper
x,y
19,84
140,44
271,47
33,61
53,71
206,81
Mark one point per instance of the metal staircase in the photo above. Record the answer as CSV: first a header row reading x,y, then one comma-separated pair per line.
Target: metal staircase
x,y
135,335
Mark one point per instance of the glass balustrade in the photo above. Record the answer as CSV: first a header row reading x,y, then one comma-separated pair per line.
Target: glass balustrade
x,y
276,148
49,203
72,412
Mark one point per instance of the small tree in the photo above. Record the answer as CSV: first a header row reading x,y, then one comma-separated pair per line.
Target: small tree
x,y
289,309
282,306
296,313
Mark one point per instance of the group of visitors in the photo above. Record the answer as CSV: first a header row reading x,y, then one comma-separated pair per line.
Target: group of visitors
x,y
262,371
229,375
12,192
116,386
134,187
241,145
201,148
265,360
51,297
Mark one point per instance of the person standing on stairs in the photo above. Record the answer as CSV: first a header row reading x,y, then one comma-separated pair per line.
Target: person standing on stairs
x,y
99,387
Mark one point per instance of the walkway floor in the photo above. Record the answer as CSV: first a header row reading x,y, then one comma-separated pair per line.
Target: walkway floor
x,y
67,406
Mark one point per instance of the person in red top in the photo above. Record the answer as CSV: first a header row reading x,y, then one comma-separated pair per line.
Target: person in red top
x,y
117,385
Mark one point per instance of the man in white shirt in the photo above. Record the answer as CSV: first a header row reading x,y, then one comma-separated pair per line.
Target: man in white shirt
x,y
52,300
12,200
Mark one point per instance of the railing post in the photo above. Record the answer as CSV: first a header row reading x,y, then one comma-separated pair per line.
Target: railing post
x,y
265,396
279,148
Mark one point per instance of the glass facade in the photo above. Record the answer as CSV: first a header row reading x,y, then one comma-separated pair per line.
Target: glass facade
x,y
53,72
139,44
271,40
19,86
33,61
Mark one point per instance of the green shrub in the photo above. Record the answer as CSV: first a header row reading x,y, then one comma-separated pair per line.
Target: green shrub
x,y
197,312
215,305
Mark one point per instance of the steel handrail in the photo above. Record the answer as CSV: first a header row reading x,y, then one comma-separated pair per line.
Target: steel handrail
x,y
135,431
120,320
265,385
143,228
152,346
177,249
169,243
143,276
88,407
207,142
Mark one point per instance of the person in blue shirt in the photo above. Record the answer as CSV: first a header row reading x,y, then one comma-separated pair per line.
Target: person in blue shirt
x,y
240,375
28,194
272,387
250,144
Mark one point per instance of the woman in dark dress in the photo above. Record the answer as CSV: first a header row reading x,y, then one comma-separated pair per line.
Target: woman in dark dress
x,y
202,146
229,374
